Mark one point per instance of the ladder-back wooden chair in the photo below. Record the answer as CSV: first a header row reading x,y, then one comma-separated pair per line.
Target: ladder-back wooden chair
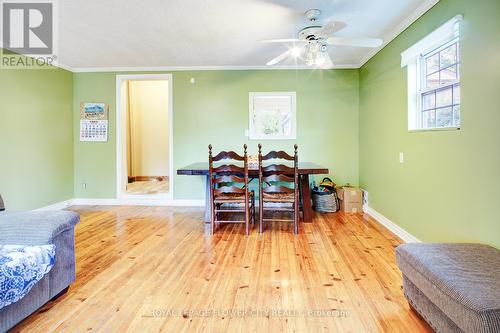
x,y
272,189
229,193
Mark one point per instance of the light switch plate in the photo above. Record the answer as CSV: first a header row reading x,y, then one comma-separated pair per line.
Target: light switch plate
x,y
401,157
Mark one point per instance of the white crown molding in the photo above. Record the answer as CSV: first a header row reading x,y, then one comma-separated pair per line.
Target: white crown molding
x,y
198,68
65,67
415,15
393,227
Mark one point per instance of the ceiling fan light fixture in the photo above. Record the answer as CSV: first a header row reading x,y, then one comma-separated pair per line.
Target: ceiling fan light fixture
x,y
296,51
310,58
320,59
314,40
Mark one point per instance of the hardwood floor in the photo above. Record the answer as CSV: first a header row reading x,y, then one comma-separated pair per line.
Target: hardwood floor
x,y
152,269
148,187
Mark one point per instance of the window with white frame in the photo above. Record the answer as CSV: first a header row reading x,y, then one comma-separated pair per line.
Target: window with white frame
x,y
433,66
272,116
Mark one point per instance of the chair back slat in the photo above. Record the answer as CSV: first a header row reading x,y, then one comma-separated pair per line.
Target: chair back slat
x,y
228,155
277,189
228,169
272,155
229,190
228,179
278,178
278,169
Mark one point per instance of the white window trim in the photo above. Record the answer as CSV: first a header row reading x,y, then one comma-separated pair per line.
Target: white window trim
x,y
252,135
441,35
411,58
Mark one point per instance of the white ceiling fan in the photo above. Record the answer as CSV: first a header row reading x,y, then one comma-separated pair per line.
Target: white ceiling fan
x,y
313,41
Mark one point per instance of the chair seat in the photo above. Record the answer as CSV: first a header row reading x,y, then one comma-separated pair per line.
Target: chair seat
x,y
278,197
232,197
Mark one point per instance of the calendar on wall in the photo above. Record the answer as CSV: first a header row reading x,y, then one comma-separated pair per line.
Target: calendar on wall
x,y
94,130
94,122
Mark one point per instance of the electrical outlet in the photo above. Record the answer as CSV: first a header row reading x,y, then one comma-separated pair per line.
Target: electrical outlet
x,y
401,157
84,186
365,197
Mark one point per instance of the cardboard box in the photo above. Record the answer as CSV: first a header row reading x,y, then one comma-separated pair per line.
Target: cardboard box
x,y
351,199
351,207
350,194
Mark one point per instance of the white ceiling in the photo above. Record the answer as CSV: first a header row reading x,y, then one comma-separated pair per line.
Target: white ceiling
x,y
97,34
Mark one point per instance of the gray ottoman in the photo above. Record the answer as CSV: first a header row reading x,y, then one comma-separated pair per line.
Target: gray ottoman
x,y
454,287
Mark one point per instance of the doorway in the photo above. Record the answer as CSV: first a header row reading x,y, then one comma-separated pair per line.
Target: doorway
x,y
144,136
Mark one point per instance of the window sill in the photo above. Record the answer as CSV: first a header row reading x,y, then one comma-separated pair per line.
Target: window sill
x,y
442,129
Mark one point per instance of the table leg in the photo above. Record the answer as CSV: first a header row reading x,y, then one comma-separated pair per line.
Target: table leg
x,y
208,210
306,198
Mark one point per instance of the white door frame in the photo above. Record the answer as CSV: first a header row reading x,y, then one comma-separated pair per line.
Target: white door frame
x,y
121,146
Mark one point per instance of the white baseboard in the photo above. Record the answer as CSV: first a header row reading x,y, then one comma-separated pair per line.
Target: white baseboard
x,y
188,203
138,202
393,227
124,202
57,205
94,202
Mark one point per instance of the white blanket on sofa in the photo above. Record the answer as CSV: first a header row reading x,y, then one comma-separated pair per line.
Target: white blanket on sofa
x,y
21,267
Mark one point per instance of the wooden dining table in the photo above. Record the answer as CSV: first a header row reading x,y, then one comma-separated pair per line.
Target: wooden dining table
x,y
305,170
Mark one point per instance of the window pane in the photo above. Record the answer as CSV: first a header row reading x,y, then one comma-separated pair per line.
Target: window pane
x,y
443,97
428,119
444,117
456,116
456,94
432,81
432,63
448,75
272,116
448,56
429,101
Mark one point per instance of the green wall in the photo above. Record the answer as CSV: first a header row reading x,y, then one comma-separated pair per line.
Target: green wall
x,y
448,187
215,110
36,137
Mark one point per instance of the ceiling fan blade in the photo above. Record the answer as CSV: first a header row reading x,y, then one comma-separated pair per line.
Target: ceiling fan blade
x,y
283,40
330,28
359,42
279,58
